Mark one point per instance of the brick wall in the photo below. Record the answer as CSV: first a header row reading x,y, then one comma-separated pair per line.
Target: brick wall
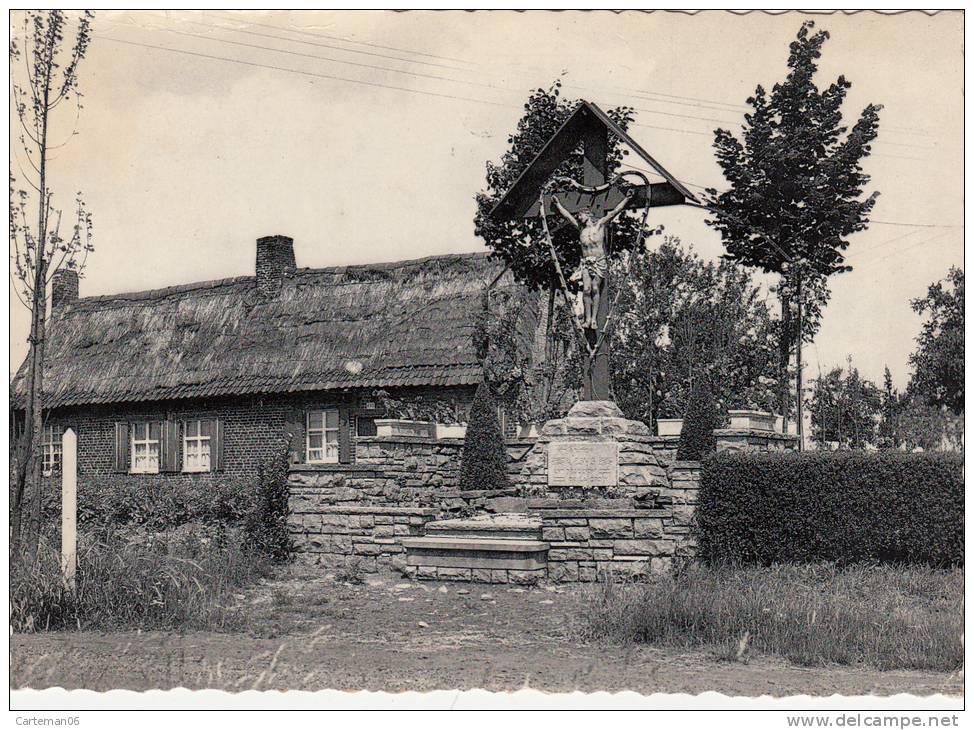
x,y
253,431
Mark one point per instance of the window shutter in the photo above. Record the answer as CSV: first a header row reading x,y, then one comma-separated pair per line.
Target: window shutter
x,y
121,447
344,436
169,447
294,426
216,444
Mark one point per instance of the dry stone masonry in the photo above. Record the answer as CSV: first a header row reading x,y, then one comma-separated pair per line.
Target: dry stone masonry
x,y
594,494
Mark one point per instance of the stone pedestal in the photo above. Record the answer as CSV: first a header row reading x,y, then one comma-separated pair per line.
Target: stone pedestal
x,y
594,452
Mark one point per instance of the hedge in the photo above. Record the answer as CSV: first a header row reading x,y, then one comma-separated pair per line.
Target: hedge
x,y
845,507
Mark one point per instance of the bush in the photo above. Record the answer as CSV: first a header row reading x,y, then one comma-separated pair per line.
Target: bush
x,y
265,521
839,506
181,579
166,502
702,417
887,617
484,464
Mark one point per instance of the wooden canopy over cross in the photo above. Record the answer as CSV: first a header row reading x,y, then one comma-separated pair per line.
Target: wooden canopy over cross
x,y
589,126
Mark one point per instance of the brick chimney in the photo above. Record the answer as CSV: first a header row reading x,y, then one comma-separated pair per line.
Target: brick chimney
x,y
275,260
64,288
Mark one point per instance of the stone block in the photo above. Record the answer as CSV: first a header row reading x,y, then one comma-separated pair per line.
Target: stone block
x,y
444,573
401,530
383,531
612,527
651,527
368,548
553,533
577,533
427,572
499,576
479,575
563,572
643,547
525,577
562,554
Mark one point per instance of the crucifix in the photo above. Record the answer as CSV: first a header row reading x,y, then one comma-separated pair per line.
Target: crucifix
x,y
590,207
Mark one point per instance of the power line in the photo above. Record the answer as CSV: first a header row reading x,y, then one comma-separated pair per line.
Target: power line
x,y
317,56
325,45
303,73
427,93
647,95
316,34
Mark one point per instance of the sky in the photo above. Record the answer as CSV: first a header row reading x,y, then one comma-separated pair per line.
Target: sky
x,y
364,135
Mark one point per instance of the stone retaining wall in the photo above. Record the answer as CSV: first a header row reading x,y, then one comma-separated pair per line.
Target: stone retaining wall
x,y
397,471
589,540
364,537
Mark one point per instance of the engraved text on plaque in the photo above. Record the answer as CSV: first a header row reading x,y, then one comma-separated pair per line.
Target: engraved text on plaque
x,y
583,464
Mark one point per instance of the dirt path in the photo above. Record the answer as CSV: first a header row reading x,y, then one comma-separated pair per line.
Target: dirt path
x,y
307,632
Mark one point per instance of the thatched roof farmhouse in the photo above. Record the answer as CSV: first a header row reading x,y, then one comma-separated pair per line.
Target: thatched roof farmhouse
x,y
150,375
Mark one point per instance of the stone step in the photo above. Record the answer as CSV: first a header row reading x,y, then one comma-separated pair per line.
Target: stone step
x,y
491,527
476,558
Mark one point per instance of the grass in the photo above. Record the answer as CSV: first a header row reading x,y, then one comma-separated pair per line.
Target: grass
x,y
883,616
181,579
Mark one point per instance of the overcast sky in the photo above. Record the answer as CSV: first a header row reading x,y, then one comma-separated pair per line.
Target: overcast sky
x,y
367,140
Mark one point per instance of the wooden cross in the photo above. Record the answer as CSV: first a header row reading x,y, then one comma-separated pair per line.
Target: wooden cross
x,y
589,126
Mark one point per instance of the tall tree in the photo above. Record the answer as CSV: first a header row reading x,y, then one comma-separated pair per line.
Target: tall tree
x,y
680,318
795,190
938,362
45,75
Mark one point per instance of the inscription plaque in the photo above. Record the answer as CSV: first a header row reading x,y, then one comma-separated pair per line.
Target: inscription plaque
x,y
583,464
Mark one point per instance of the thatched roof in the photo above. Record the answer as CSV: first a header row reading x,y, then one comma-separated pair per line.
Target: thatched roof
x,y
408,323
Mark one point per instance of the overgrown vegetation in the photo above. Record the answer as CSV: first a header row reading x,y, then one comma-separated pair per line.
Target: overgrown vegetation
x,y
841,506
133,579
156,553
883,616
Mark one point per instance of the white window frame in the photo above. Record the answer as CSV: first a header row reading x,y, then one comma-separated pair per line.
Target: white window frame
x,y
194,443
147,442
322,432
51,449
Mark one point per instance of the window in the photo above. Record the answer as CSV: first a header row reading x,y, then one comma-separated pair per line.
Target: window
x,y
322,436
196,446
145,448
51,449
365,426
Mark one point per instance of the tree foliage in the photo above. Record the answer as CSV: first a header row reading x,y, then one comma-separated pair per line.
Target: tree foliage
x,y
795,184
521,243
938,362
680,318
845,409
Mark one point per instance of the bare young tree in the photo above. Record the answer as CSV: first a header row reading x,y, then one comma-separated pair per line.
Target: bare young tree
x,y
44,75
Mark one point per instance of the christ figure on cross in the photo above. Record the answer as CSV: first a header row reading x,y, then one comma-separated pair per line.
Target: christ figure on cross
x,y
594,266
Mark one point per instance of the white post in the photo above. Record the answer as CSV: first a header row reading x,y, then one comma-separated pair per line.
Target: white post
x,y
69,506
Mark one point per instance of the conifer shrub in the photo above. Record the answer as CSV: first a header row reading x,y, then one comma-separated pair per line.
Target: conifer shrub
x,y
697,438
484,463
